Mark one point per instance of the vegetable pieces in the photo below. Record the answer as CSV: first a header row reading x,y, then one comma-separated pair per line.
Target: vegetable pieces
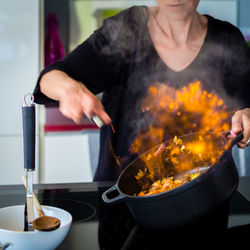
x,y
178,156
168,183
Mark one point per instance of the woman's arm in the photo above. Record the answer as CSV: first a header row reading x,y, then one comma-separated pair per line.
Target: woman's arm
x,y
73,96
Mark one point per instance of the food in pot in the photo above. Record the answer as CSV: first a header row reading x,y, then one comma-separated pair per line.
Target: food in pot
x,y
168,183
179,157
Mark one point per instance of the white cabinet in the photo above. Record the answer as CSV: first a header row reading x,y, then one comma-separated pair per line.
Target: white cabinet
x,y
19,66
70,157
11,164
19,59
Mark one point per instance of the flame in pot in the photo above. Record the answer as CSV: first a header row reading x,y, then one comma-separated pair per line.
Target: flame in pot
x,y
176,113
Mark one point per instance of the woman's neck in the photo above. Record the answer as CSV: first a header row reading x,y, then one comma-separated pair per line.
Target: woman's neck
x,y
179,32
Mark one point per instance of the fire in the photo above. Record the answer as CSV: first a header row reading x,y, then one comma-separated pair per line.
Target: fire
x,y
197,147
176,158
176,113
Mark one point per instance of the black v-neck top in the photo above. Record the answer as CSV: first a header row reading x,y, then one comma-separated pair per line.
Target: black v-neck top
x,y
120,60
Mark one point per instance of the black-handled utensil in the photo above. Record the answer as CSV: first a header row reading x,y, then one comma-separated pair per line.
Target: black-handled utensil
x,y
28,116
29,126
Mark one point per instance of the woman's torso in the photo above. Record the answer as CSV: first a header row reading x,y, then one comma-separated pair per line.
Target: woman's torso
x,y
145,66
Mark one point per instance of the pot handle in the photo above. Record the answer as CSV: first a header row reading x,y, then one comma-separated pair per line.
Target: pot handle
x,y
114,200
236,139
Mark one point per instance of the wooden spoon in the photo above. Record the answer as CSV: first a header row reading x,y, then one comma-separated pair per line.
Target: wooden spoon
x,y
43,222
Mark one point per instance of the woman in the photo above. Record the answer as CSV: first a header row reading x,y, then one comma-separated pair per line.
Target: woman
x,y
170,43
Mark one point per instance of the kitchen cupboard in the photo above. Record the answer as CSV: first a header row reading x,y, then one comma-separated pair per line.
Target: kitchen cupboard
x,y
19,66
11,165
70,157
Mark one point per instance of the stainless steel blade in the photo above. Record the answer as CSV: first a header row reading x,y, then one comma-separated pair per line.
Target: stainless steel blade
x,y
29,199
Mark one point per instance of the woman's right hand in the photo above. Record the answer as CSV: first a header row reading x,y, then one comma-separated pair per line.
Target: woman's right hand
x,y
73,96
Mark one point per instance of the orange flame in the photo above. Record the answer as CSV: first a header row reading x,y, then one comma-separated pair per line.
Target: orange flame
x,y
179,112
176,113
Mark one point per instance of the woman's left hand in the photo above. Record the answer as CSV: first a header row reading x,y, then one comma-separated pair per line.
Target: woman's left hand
x,y
241,122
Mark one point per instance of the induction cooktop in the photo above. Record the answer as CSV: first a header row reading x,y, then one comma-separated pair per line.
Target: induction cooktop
x,y
99,226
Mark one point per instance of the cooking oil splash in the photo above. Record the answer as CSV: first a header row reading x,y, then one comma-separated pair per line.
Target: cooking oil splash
x,y
111,149
117,158
112,127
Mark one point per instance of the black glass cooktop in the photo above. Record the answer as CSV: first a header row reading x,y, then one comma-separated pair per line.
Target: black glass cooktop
x,y
98,226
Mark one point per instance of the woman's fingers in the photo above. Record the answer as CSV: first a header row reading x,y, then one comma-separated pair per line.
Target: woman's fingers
x,y
241,122
236,123
93,107
103,116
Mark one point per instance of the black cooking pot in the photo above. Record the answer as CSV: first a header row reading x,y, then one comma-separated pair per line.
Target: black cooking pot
x,y
187,203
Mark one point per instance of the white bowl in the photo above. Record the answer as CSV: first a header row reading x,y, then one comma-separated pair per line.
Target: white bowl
x,y
12,224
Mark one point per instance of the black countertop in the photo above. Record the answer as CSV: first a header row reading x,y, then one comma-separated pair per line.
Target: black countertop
x,y
98,226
